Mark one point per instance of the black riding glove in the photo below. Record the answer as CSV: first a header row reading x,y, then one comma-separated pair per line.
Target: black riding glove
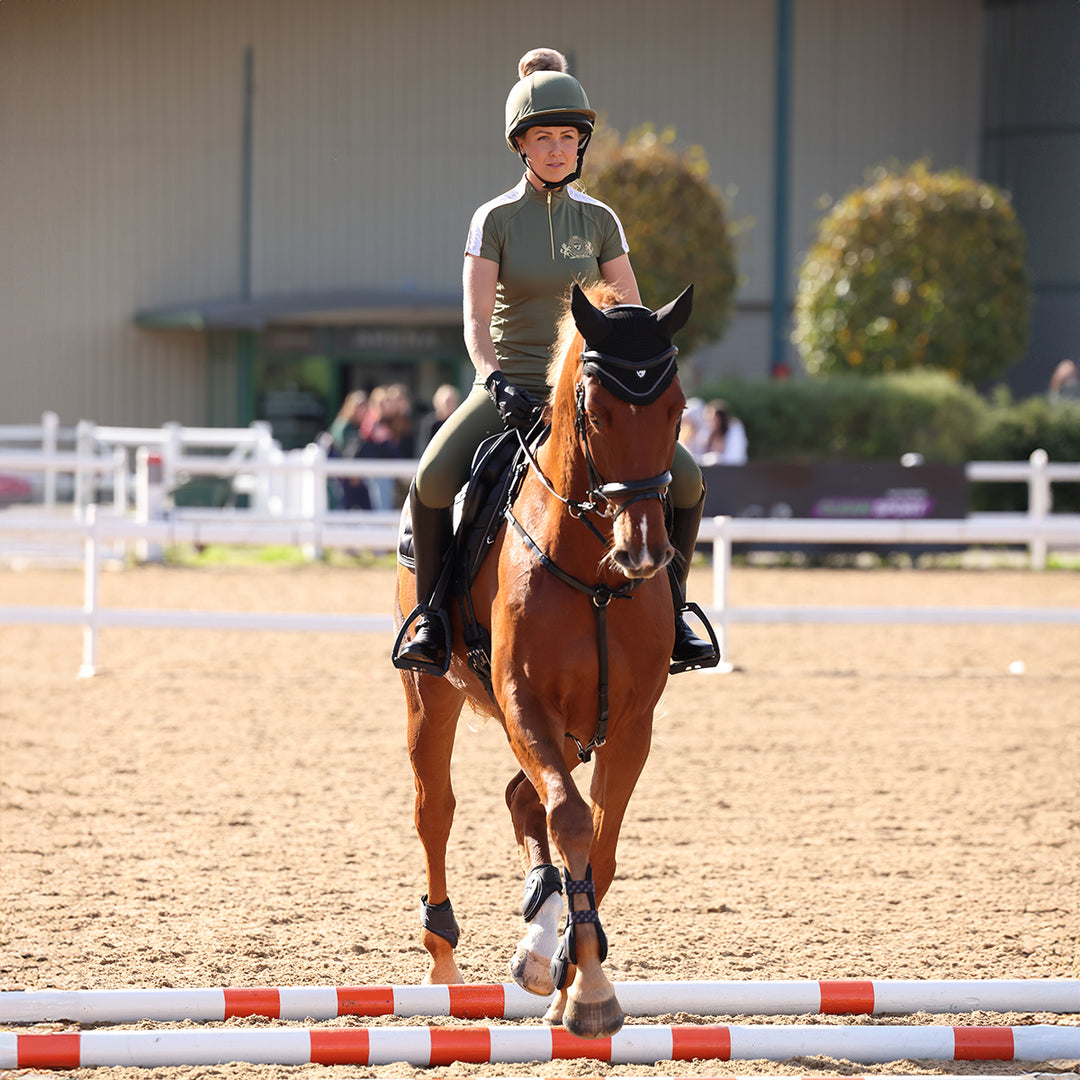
x,y
517,407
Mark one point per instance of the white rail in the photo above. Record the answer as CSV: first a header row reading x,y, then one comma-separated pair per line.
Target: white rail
x,y
97,528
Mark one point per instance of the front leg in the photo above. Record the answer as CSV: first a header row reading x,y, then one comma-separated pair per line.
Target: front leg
x,y
592,1010
542,906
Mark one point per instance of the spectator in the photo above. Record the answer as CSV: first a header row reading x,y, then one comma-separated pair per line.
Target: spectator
x,y
347,441
350,419
1065,382
726,443
694,429
387,425
443,402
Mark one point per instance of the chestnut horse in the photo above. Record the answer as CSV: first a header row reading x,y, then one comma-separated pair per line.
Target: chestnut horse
x,y
581,625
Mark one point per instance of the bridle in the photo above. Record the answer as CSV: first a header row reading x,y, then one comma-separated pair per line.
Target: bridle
x,y
604,498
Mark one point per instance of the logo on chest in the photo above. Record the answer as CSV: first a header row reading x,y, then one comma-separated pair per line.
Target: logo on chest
x,y
578,248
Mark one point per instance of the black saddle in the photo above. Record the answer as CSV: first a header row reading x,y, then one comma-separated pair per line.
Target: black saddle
x,y
498,468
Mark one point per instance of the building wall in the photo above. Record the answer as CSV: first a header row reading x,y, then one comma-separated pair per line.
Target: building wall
x,y
377,130
1031,147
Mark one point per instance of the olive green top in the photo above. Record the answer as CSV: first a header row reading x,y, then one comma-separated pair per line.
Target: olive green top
x,y
542,242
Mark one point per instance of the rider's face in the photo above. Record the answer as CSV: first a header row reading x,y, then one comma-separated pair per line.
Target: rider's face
x,y
551,152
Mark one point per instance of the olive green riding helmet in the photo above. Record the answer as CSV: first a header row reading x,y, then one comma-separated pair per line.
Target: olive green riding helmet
x,y
549,98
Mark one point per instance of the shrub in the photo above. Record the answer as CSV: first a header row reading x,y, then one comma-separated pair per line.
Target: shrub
x,y
851,419
916,270
675,222
1011,431
884,417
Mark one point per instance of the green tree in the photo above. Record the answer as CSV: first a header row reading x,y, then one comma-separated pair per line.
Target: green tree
x,y
916,270
675,222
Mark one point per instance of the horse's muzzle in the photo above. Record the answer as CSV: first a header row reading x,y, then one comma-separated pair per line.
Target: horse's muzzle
x,y
641,546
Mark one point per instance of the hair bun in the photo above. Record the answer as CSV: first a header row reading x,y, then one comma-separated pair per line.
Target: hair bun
x,y
541,60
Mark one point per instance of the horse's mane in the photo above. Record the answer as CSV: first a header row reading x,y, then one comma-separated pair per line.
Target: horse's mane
x,y
565,364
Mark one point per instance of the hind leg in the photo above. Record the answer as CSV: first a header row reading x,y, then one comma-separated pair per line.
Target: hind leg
x,y
542,908
433,707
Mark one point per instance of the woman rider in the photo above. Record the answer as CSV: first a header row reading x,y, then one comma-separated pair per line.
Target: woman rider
x,y
524,249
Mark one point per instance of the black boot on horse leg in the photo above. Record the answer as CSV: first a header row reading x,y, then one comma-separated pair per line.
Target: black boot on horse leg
x,y
542,909
689,651
441,933
433,531
590,1008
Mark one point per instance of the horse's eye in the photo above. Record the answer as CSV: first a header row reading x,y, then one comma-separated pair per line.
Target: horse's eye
x,y
594,421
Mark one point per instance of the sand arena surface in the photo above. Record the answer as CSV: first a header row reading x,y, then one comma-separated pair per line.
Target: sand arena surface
x,y
236,808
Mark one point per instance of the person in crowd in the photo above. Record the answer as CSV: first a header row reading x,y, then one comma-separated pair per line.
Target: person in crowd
x,y
443,402
348,441
386,427
1065,382
694,431
349,419
524,249
726,442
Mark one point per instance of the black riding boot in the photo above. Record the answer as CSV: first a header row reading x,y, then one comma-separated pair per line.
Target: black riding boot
x,y
689,651
433,531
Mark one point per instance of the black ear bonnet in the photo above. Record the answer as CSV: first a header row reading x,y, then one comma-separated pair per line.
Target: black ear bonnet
x,y
628,347
637,363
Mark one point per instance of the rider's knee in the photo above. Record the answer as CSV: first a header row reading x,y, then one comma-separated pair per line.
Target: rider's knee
x,y
687,483
436,484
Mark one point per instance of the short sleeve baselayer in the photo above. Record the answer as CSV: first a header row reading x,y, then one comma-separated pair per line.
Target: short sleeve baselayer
x,y
542,242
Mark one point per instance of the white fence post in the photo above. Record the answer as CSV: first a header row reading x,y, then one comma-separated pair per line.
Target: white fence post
x,y
149,500
50,432
172,447
264,447
721,579
91,582
1039,504
312,481
84,448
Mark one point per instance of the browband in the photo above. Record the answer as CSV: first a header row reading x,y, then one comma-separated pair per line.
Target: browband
x,y
639,382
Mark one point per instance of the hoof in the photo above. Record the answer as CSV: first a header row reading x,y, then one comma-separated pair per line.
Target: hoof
x,y
531,965
444,969
532,972
593,1019
554,1015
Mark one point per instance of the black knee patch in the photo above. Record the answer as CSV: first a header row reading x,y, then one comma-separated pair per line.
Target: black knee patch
x,y
543,881
439,919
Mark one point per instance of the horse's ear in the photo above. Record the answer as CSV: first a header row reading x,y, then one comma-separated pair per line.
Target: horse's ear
x,y
588,318
673,317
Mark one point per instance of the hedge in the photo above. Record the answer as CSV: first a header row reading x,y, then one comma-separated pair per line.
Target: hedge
x,y
880,418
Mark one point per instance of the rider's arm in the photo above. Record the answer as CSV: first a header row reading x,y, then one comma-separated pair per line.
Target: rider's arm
x,y
479,279
620,273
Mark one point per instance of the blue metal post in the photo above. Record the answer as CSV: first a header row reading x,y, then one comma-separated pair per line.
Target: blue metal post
x,y
781,185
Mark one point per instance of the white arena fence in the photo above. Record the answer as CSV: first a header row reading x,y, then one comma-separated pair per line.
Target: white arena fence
x,y
141,466
96,529
289,507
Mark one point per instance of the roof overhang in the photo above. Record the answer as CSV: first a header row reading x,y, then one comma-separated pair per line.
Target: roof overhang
x,y
334,307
